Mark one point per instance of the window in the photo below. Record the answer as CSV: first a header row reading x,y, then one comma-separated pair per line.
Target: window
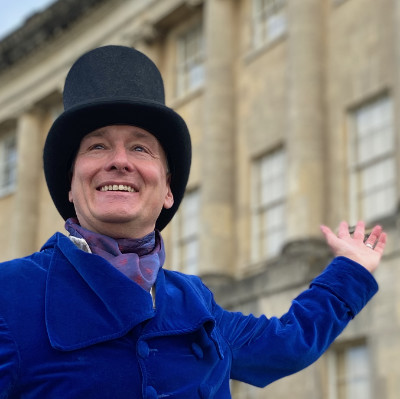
x,y
8,164
190,61
269,21
372,162
187,234
350,372
268,203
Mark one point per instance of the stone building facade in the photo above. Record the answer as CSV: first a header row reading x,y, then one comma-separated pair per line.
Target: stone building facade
x,y
291,106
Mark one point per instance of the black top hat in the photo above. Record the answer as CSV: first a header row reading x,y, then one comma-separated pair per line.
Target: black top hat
x,y
114,85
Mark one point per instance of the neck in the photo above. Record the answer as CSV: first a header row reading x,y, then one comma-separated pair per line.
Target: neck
x,y
119,230
139,259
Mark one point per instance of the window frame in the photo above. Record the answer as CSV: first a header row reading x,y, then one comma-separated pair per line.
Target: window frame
x,y
266,16
265,244
340,379
362,186
8,163
190,71
185,235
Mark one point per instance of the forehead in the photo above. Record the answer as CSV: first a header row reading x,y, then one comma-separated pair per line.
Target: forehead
x,y
122,132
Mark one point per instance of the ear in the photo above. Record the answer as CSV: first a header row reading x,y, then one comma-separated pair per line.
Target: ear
x,y
169,197
70,176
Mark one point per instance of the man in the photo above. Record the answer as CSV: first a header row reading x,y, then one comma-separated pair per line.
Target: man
x,y
94,315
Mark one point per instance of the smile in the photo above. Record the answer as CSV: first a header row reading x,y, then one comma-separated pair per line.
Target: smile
x,y
118,187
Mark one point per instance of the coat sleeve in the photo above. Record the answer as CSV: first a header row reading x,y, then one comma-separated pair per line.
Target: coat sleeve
x,y
264,350
9,361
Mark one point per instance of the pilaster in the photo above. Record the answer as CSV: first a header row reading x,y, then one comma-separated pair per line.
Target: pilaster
x,y
305,131
25,218
217,194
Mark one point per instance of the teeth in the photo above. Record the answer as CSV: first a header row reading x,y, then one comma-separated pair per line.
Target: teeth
x,y
117,187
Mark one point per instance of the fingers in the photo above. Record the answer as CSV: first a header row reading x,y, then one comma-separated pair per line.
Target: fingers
x,y
377,239
328,233
359,231
380,245
375,234
330,237
352,245
343,230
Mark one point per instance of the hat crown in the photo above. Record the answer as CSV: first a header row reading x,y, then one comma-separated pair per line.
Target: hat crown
x,y
112,73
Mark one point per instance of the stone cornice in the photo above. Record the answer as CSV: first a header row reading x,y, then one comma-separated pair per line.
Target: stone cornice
x,y
40,28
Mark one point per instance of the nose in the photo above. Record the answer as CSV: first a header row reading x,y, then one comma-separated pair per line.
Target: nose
x,y
119,160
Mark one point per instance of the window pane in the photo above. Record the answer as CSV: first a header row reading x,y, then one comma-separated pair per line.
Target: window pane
x,y
191,257
269,21
190,65
358,373
268,192
374,169
353,372
187,236
8,164
274,229
374,124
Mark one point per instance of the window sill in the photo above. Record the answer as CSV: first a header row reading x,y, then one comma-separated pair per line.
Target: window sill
x,y
186,98
7,191
254,53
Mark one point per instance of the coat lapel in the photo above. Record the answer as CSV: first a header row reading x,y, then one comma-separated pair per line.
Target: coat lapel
x,y
88,301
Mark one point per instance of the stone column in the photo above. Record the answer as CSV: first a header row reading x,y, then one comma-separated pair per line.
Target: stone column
x,y
29,161
217,194
396,88
306,119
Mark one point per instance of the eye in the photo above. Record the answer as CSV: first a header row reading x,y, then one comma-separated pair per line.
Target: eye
x,y
139,148
97,147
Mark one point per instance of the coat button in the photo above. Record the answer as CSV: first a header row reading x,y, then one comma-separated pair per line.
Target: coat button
x,y
151,393
143,349
198,352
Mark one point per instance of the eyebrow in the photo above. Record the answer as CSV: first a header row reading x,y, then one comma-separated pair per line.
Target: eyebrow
x,y
136,133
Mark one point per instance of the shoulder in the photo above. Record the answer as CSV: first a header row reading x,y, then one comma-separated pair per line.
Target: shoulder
x,y
28,264
24,275
35,260
188,287
22,267
187,280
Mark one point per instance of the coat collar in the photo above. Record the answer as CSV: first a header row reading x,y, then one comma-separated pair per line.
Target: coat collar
x,y
88,301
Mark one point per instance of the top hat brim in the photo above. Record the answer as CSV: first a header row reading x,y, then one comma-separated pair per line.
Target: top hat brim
x,y
72,125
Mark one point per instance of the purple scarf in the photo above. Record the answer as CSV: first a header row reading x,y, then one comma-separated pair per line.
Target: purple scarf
x,y
139,259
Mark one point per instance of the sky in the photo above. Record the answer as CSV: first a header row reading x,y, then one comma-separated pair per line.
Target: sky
x,y
13,13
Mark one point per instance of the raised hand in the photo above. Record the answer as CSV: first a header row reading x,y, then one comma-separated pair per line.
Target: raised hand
x,y
368,253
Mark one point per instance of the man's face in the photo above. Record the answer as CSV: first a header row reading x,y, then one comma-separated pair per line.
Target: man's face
x,y
120,182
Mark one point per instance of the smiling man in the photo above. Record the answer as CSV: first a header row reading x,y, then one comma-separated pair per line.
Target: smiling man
x,y
95,315
120,182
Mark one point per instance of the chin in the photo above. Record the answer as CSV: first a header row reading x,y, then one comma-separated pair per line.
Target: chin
x,y
117,219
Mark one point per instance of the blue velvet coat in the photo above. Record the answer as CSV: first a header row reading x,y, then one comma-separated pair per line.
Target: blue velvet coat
x,y
72,326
